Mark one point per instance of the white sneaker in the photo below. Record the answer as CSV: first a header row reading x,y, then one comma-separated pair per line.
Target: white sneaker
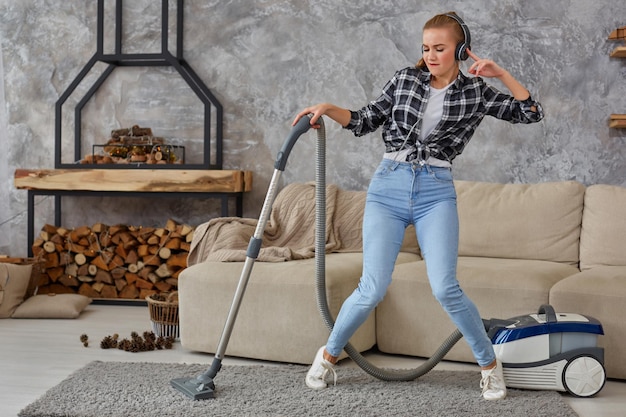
x,y
316,377
492,383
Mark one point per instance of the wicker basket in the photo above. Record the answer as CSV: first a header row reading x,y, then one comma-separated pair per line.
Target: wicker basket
x,y
164,314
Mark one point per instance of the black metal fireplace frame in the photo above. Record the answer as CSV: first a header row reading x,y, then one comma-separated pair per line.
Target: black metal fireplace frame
x,y
120,59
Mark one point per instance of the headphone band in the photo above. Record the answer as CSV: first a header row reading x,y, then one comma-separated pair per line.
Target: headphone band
x,y
462,47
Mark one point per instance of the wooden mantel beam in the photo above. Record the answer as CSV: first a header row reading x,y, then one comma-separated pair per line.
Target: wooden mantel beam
x,y
135,180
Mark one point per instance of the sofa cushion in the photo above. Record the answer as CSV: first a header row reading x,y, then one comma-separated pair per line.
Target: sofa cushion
x,y
52,306
600,293
279,318
14,281
520,221
409,321
603,227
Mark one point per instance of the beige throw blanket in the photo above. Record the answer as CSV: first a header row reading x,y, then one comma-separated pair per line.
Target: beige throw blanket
x,y
290,230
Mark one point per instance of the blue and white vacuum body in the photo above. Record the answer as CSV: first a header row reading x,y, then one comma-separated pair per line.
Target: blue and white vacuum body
x,y
550,351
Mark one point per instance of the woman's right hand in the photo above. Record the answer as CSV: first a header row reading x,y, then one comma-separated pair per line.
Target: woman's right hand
x,y
341,116
316,111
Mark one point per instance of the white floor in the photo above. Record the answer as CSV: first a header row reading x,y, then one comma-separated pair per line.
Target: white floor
x,y
38,354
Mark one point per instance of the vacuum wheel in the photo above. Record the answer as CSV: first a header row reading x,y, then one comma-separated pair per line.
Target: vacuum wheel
x,y
584,376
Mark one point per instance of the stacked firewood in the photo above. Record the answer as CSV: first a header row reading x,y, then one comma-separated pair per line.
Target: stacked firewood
x,y
134,145
129,262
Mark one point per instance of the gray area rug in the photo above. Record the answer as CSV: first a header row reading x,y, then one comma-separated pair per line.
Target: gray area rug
x,y
143,389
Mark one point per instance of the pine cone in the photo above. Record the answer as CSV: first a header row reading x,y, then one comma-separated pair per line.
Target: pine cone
x,y
105,343
169,343
123,344
149,336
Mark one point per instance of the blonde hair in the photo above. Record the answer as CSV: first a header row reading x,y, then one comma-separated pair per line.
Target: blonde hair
x,y
440,21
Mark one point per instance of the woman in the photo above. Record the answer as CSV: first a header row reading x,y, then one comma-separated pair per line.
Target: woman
x,y
428,114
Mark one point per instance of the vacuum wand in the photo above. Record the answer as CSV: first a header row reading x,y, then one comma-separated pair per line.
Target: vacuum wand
x,y
203,387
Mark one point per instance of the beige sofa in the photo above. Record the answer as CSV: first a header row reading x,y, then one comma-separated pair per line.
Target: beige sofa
x,y
521,246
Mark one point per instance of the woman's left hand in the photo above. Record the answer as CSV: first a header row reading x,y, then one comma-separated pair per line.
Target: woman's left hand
x,y
484,67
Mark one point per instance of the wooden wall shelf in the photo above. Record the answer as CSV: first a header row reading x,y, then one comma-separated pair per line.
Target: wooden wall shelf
x,y
619,52
135,180
618,121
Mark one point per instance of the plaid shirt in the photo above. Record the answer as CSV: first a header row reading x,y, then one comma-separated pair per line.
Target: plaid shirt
x,y
403,102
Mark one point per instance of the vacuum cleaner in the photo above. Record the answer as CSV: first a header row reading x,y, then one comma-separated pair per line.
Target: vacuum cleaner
x,y
203,387
546,351
550,351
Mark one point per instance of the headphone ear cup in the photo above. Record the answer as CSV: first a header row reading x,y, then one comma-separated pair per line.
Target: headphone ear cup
x,y
461,51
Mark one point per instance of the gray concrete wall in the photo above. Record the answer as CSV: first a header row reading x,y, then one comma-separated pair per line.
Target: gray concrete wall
x,y
265,60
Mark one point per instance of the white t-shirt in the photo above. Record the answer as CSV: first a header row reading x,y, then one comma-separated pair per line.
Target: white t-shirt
x,y
432,117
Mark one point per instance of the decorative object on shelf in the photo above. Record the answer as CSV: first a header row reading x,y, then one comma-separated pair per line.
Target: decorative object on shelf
x,y
135,145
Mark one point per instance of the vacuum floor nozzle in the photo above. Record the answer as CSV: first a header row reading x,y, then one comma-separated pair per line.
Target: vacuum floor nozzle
x,y
194,388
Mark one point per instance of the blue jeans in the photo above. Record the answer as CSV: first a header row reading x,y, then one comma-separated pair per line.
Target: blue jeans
x,y
400,194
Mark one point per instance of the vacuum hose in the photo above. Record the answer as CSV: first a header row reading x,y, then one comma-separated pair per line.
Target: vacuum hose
x,y
320,272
